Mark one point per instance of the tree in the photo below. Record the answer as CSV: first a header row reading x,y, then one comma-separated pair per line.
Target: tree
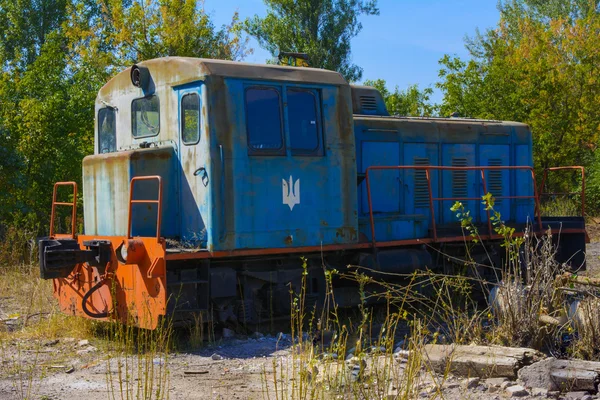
x,y
24,25
55,56
321,28
150,29
538,66
410,102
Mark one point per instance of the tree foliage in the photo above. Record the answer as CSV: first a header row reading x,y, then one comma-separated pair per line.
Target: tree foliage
x,y
540,66
55,56
321,28
410,102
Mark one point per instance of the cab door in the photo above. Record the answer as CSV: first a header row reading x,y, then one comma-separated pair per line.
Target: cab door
x,y
288,185
194,160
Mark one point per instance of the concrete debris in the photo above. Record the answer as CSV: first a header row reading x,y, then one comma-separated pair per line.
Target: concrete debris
x,y
482,361
562,375
579,395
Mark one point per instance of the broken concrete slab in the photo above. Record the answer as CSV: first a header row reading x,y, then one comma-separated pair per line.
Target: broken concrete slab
x,y
563,375
481,361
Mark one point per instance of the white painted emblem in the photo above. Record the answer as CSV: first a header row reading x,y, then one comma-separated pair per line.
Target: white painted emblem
x,y
291,197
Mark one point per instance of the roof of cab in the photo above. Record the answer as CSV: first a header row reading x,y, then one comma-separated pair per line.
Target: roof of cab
x,y
180,70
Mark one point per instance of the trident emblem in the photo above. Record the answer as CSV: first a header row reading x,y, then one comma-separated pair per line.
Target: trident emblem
x,y
291,197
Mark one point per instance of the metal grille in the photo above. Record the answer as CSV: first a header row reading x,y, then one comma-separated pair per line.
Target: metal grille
x,y
459,178
421,188
494,180
368,103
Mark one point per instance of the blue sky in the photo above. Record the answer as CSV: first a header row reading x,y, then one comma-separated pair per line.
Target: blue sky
x,y
403,44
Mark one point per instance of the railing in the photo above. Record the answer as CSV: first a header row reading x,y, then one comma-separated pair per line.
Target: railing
x,y
73,205
158,201
432,199
582,194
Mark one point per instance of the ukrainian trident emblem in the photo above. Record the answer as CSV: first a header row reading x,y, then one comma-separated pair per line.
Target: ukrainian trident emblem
x,y
291,197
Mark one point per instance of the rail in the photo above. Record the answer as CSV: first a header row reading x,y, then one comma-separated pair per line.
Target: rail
x,y
432,199
73,205
582,194
158,201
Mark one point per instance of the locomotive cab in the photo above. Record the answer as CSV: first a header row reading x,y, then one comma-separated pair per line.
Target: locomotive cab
x,y
250,156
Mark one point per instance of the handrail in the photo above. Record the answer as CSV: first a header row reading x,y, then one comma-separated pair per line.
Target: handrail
x,y
572,167
157,201
428,168
73,205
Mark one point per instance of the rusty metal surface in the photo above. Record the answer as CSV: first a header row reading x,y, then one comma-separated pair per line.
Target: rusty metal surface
x,y
249,211
72,204
432,199
106,190
139,289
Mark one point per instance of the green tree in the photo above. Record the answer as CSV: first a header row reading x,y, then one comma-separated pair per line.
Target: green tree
x,y
538,66
55,56
149,29
24,25
410,102
321,28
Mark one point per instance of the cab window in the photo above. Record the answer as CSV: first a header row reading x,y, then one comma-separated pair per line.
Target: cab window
x,y
107,130
264,120
145,117
190,118
303,121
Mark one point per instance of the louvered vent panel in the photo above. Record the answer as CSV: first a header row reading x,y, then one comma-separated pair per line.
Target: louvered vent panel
x,y
494,181
368,103
421,188
459,178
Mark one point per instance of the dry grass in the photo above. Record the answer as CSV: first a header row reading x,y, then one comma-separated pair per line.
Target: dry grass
x,y
335,355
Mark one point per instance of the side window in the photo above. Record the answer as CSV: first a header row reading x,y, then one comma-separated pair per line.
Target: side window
x,y
303,121
107,130
263,120
145,117
190,118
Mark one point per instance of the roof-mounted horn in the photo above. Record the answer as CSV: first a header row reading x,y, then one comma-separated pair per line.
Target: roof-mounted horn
x,y
140,77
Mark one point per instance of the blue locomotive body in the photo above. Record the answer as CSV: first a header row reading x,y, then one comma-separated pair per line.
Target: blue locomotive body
x,y
256,166
265,157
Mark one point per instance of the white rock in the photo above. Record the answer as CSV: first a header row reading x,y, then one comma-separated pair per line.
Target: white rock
x,y
516,391
495,382
539,392
507,384
216,357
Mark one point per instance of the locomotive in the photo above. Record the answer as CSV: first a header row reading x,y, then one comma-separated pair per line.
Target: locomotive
x,y
214,185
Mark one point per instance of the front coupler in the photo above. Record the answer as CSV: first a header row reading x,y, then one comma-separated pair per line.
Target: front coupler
x,y
58,257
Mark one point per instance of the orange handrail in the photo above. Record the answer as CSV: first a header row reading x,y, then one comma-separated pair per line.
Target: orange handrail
x,y
73,205
157,201
428,168
573,167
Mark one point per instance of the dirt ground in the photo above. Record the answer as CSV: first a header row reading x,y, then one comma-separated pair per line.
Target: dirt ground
x,y
234,368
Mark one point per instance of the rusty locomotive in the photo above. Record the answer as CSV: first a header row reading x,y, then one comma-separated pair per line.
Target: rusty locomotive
x,y
211,179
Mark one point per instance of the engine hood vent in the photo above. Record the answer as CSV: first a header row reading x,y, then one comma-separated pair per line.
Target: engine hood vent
x,y
367,100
